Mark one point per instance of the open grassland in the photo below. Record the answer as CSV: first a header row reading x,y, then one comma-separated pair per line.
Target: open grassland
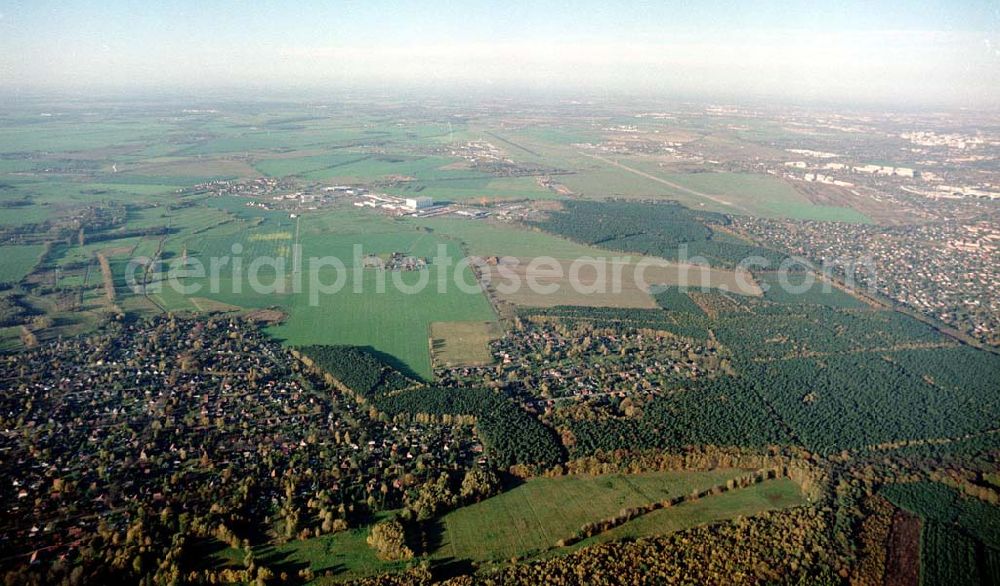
x,y
528,519
346,554
200,169
472,186
759,195
18,261
381,166
774,494
303,165
463,343
740,193
394,322
532,517
26,214
598,176
76,133
504,240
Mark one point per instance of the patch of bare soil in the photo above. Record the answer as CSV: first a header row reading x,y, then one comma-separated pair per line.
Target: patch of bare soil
x,y
902,565
267,316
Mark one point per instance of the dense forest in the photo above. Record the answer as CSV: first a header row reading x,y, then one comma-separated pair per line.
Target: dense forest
x,y
664,229
681,322
356,368
720,412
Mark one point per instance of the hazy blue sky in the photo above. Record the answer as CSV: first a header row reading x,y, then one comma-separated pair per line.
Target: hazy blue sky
x,y
906,52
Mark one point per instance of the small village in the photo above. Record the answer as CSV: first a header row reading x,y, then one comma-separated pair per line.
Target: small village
x,y
543,362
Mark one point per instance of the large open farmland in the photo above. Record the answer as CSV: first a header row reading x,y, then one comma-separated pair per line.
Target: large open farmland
x,y
496,239
389,311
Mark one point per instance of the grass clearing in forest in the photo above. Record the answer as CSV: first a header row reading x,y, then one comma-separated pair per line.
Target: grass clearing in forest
x,y
533,516
770,495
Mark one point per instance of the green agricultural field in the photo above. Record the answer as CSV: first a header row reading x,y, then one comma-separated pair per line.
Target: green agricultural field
x,y
283,167
532,517
26,214
60,194
386,310
70,134
18,261
375,167
491,239
10,338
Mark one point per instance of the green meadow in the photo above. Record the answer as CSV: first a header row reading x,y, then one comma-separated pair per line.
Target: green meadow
x,y
533,516
18,261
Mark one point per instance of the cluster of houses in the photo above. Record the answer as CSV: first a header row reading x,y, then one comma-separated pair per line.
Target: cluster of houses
x,y
172,415
551,362
948,270
396,261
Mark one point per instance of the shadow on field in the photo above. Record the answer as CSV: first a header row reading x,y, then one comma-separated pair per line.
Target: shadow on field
x,y
446,568
280,562
430,536
392,361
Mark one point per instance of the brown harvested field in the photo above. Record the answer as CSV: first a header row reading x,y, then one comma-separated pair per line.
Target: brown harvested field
x,y
462,343
267,316
902,564
623,285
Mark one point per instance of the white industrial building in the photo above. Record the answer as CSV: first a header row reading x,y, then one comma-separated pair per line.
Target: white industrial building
x,y
419,203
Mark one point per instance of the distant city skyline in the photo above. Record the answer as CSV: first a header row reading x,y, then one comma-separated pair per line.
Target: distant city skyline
x,y
903,53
